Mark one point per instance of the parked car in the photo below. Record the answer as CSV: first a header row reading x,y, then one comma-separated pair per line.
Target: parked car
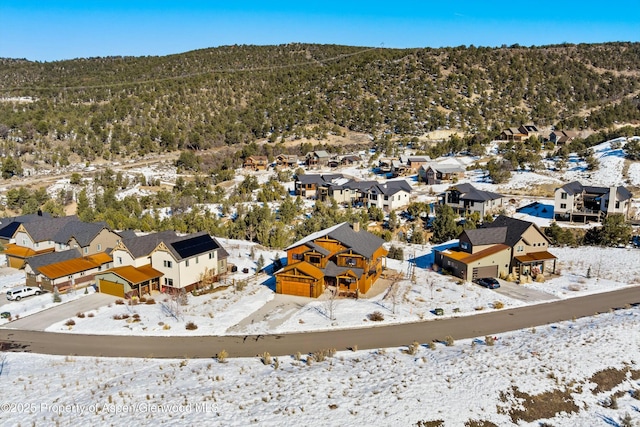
x,y
16,294
5,315
438,312
488,282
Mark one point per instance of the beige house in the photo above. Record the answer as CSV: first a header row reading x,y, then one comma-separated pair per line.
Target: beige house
x,y
505,246
583,203
89,238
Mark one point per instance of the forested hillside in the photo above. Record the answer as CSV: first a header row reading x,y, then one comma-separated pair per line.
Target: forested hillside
x,y
118,107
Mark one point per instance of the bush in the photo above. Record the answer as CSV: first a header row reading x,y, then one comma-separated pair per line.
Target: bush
x,y
540,278
222,356
413,348
119,302
265,358
376,316
150,301
142,299
489,340
448,340
396,253
90,315
80,315
190,326
498,305
70,322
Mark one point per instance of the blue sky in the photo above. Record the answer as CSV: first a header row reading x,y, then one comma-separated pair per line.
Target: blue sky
x,y
54,30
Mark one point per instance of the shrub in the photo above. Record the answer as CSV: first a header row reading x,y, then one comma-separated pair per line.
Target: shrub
x,y
70,322
376,316
143,299
413,348
240,285
190,326
265,358
540,278
119,302
222,356
166,327
448,340
150,301
80,315
90,315
432,345
498,305
489,340
136,317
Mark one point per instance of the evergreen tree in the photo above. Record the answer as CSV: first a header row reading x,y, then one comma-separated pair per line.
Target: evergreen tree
x,y
444,225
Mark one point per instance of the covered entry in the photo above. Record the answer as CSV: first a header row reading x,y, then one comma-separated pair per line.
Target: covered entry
x,y
128,281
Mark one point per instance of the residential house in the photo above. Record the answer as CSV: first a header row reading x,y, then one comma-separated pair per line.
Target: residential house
x,y
163,261
577,202
32,264
315,186
350,160
435,173
256,163
504,246
562,137
8,226
90,238
416,162
317,159
286,160
520,133
465,198
390,195
34,238
342,256
70,273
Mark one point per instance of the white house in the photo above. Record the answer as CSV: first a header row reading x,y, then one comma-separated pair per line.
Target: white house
x,y
574,201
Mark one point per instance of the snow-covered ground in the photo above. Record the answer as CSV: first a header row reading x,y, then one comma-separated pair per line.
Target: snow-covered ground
x,y
564,374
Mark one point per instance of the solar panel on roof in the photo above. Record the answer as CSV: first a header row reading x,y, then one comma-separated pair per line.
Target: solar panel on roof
x,y
194,246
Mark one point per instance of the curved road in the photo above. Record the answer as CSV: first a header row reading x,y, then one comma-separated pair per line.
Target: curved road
x,y
286,344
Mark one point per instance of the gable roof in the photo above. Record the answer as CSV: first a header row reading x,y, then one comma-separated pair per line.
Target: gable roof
x,y
575,187
306,268
515,228
390,188
75,265
486,236
8,226
361,242
469,192
192,245
467,258
140,246
47,228
135,275
35,262
83,232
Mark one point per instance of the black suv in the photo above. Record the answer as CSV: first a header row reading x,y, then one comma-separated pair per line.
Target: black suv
x,y
488,282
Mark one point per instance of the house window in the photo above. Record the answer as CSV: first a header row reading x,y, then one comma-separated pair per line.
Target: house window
x,y
617,205
373,197
168,263
464,245
186,263
86,250
386,197
37,244
520,248
25,242
351,262
314,259
563,196
119,260
168,282
99,247
196,260
297,256
210,255
563,206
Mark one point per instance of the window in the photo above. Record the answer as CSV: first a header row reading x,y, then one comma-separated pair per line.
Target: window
x,y
563,206
351,262
617,205
386,197
168,282
196,260
464,245
314,259
186,263
168,263
520,248
37,244
373,197
297,256
211,254
99,247
86,250
563,196
119,260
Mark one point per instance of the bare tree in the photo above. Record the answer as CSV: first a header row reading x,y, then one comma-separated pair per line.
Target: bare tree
x,y
330,303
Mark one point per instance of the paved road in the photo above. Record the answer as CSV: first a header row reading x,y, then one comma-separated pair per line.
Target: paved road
x,y
286,344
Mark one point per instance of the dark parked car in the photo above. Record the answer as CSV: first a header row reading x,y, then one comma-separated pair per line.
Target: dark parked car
x,y
488,282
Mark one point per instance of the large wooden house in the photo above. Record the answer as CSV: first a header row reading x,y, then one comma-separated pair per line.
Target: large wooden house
x,y
343,257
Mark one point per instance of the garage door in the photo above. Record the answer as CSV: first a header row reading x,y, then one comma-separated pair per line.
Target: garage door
x,y
490,271
111,288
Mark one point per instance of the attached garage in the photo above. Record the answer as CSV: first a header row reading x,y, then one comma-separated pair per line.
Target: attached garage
x,y
301,279
111,288
488,271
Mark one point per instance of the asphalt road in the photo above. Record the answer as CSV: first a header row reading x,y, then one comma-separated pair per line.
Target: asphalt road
x,y
286,344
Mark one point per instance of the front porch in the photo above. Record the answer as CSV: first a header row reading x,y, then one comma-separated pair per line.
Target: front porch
x,y
534,263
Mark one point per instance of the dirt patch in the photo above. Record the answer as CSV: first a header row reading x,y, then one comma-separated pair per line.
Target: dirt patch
x,y
479,423
530,408
607,379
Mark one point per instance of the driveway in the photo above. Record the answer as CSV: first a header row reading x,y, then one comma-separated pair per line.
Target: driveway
x,y
521,293
43,319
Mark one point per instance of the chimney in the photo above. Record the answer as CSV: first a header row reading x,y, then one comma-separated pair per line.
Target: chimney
x,y
356,227
39,212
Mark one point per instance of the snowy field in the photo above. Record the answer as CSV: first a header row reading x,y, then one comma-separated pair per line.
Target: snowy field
x,y
526,378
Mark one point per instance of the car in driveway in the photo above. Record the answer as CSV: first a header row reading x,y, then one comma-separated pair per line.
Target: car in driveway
x,y
488,282
16,294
